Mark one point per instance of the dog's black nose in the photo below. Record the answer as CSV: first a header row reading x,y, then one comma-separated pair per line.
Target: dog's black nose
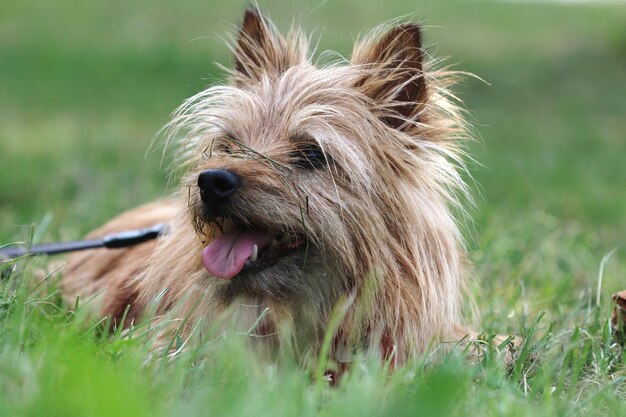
x,y
217,185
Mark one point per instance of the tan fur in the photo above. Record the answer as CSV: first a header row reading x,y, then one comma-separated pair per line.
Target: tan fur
x,y
384,248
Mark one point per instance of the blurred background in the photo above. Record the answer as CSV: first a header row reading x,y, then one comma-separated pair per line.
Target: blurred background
x,y
84,87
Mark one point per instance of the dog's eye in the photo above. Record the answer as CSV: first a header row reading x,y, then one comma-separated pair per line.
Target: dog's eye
x,y
310,156
227,147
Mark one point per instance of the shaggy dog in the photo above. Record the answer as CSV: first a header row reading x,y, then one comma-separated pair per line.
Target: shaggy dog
x,y
313,194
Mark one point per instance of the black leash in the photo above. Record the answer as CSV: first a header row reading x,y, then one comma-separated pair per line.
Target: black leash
x,y
112,241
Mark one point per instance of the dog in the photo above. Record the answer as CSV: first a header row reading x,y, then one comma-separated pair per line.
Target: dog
x,y
317,198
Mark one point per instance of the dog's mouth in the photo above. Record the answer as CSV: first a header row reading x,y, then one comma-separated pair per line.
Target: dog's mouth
x,y
241,250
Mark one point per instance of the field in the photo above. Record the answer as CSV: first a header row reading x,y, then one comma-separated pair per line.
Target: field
x,y
85,86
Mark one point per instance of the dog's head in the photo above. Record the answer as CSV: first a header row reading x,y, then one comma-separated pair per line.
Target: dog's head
x,y
305,180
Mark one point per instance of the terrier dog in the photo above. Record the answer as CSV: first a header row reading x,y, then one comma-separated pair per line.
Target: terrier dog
x,y
311,192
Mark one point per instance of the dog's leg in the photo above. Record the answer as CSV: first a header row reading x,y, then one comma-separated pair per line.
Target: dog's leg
x,y
477,343
104,278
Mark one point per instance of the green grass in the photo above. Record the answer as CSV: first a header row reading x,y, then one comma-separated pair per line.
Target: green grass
x,y
85,86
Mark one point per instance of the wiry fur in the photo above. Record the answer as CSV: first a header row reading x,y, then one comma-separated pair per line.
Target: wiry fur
x,y
383,243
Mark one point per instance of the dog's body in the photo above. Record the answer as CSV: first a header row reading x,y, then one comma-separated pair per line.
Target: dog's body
x,y
308,191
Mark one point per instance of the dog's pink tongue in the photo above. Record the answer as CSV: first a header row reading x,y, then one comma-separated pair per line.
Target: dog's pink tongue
x,y
225,256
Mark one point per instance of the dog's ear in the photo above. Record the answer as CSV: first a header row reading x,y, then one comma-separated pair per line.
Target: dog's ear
x,y
259,49
393,72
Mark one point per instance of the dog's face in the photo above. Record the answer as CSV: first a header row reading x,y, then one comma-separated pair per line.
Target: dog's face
x,y
277,180
304,180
